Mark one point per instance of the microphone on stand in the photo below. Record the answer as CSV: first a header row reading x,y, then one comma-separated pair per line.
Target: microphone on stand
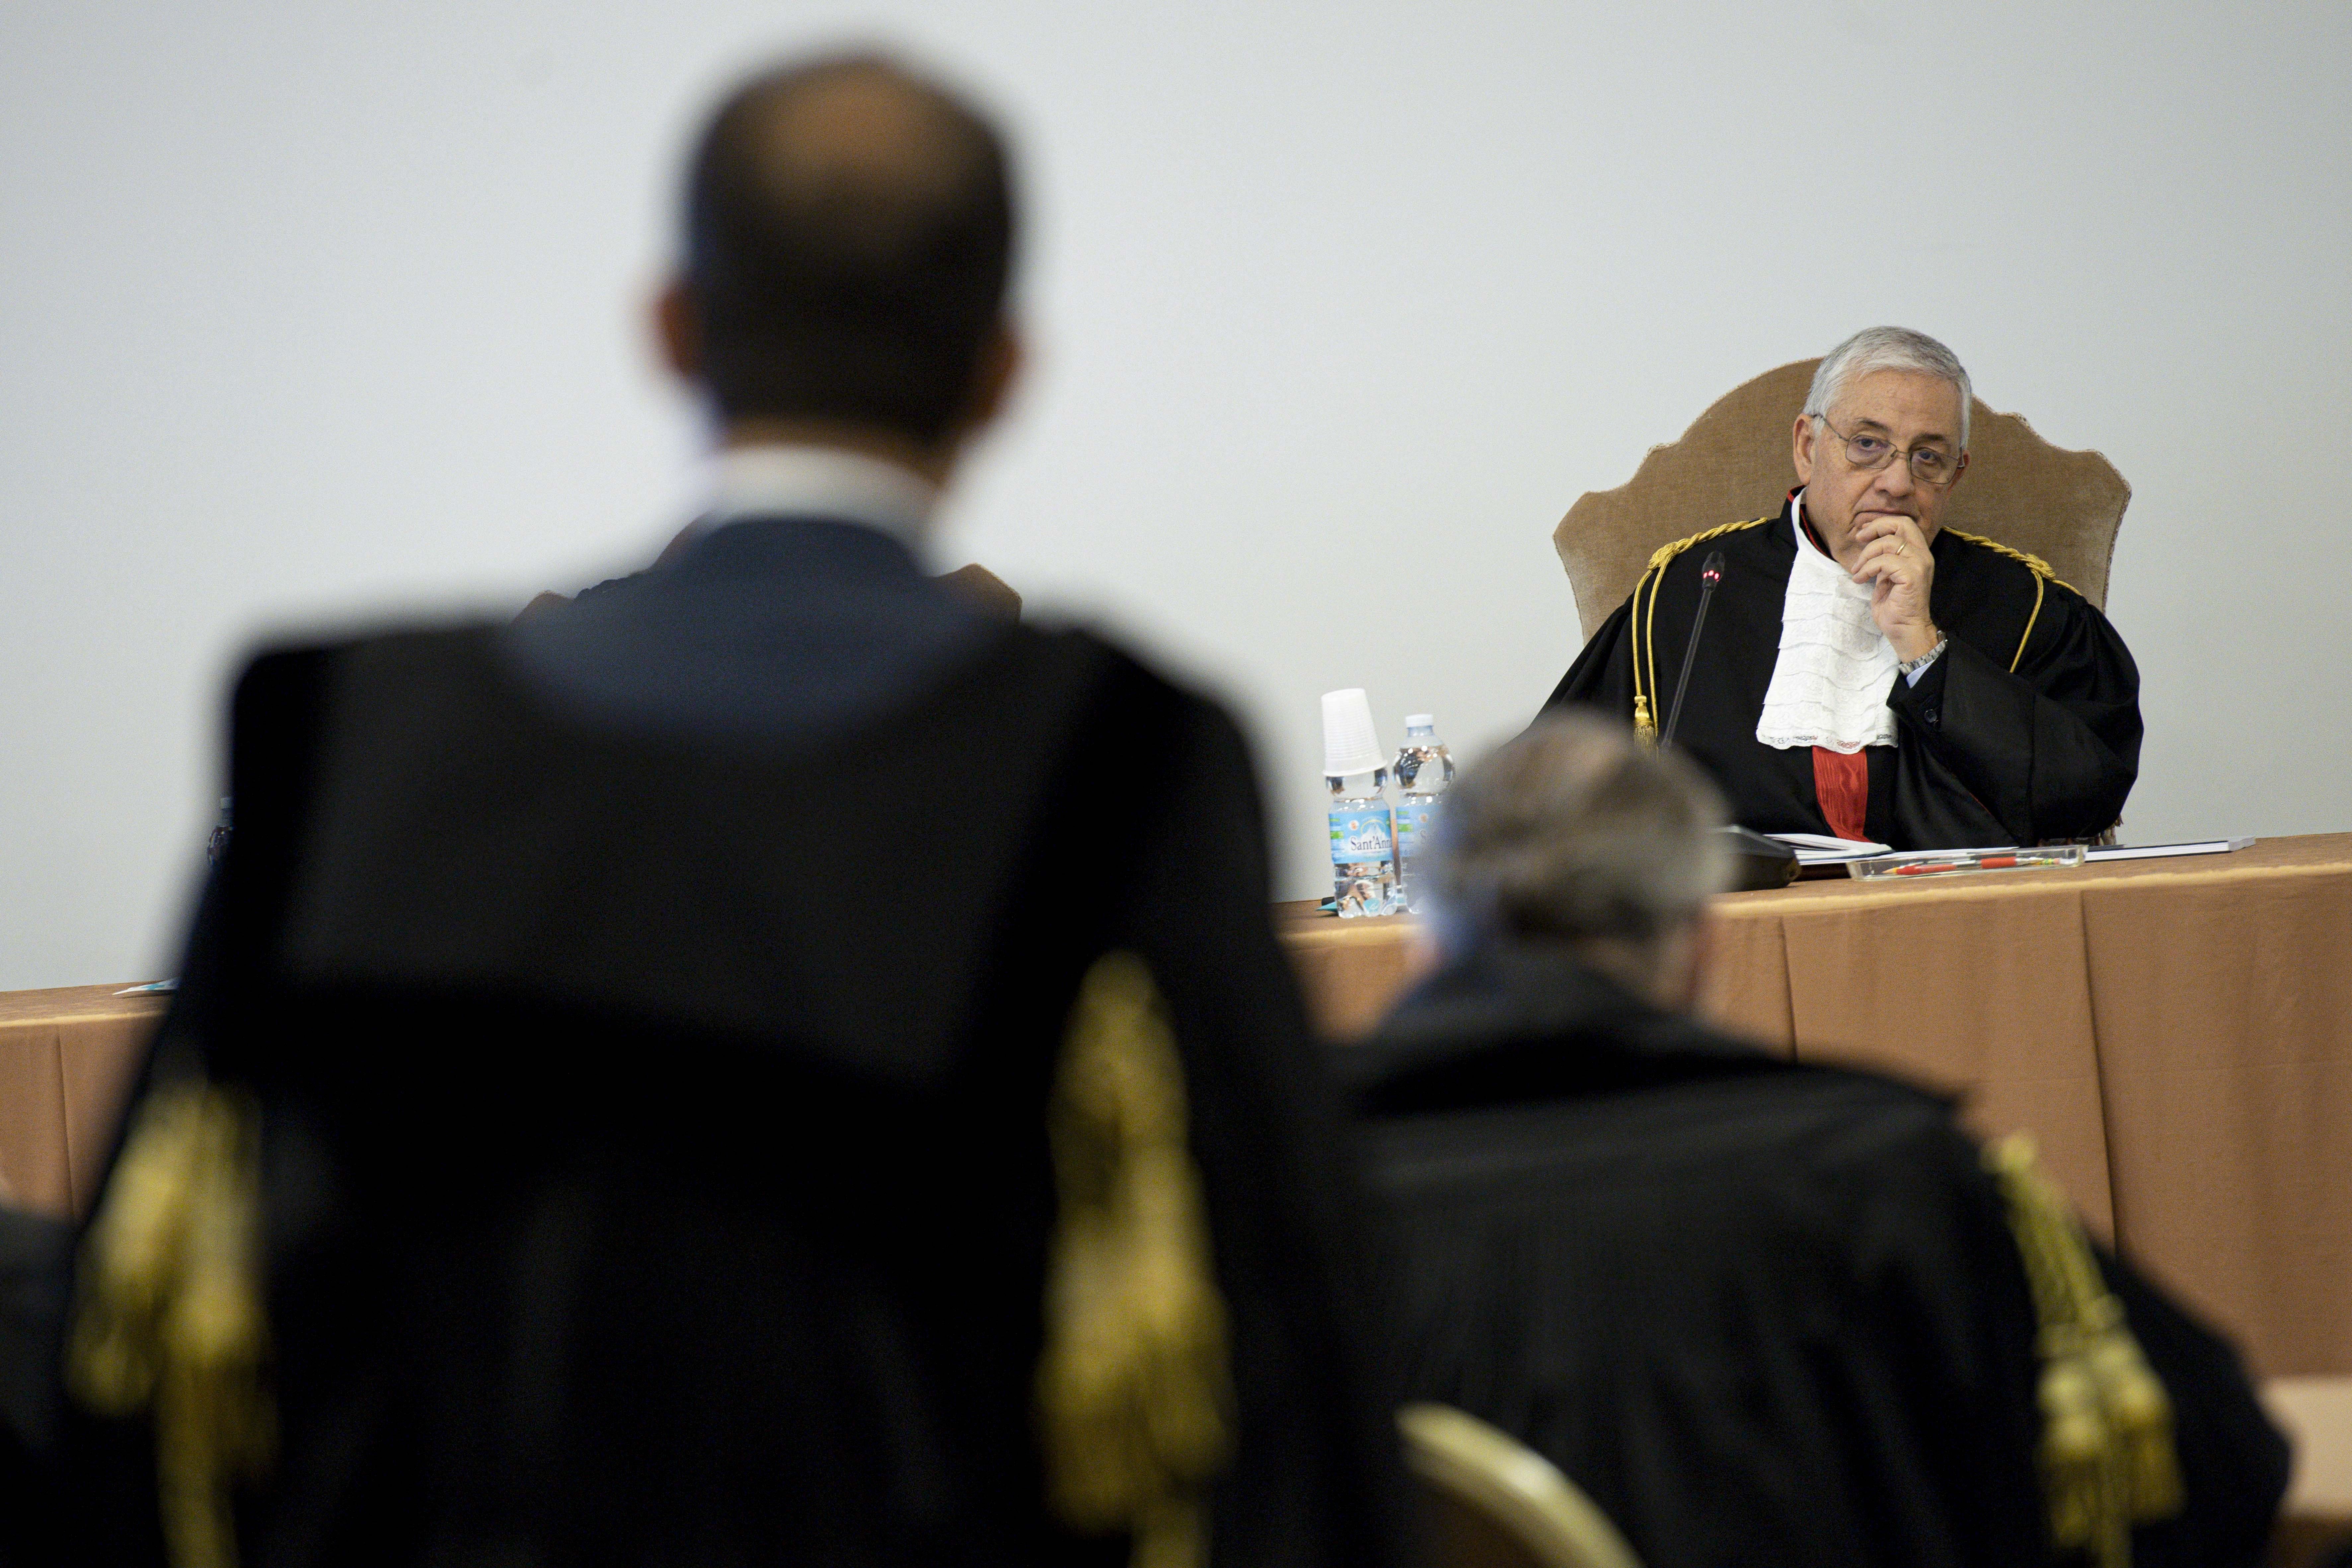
x,y
1757,862
1709,576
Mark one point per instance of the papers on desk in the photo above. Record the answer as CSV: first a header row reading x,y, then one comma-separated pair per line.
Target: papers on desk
x,y
149,989
2101,853
1820,849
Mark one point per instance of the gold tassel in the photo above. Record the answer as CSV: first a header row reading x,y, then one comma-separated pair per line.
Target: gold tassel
x,y
2107,1457
2140,1413
1643,725
168,1317
1133,1388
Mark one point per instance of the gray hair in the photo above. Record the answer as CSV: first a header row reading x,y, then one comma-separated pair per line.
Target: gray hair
x,y
1576,833
1886,348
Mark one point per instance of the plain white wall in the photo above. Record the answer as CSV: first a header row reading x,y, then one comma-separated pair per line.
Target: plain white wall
x,y
310,311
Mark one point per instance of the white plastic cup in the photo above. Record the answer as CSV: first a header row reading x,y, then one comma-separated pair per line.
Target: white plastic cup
x,y
1350,746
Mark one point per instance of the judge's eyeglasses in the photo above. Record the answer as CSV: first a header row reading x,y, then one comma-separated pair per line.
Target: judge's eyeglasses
x,y
1931,466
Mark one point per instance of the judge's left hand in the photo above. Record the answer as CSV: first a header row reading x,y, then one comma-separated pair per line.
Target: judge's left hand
x,y
1896,562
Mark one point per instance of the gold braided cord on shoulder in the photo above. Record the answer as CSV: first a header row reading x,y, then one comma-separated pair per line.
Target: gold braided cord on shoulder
x,y
1645,723
168,1317
1666,552
2042,577
1645,640
1134,1389
2108,1457
2018,657
2040,568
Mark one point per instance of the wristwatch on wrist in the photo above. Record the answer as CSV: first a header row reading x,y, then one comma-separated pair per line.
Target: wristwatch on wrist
x,y
1911,666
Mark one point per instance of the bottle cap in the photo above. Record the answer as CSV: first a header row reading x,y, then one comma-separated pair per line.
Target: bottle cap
x,y
1421,722
1351,744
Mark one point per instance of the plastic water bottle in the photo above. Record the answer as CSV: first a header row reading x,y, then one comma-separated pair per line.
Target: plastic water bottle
x,y
1363,831
1424,768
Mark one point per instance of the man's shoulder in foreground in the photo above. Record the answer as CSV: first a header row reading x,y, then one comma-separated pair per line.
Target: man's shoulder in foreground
x,y
818,681
1505,1024
1668,1260
1510,1081
1512,1073
788,622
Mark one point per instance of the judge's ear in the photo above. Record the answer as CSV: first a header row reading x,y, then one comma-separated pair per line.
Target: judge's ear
x,y
677,328
1800,441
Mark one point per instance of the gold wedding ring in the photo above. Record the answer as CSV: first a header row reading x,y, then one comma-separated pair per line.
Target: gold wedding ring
x,y
1903,548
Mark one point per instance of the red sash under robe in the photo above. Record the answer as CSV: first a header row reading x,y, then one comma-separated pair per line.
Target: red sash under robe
x,y
1842,781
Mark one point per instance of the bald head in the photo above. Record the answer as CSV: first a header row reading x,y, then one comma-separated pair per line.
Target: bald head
x,y
848,238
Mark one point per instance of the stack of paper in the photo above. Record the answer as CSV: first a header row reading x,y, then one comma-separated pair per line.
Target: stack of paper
x,y
2100,853
1820,849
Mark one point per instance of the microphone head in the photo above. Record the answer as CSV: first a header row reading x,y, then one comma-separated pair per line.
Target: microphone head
x,y
1711,573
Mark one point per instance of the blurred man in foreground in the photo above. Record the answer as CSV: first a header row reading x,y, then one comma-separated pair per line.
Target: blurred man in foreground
x,y
1764,1312
770,1062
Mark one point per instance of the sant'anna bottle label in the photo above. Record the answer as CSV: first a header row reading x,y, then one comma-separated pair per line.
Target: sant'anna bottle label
x,y
1362,836
1363,858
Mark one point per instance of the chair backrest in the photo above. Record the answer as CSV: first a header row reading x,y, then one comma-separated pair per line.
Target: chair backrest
x,y
1733,462
1491,1502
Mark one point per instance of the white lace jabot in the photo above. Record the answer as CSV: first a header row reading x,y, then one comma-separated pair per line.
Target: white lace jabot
x,y
1835,666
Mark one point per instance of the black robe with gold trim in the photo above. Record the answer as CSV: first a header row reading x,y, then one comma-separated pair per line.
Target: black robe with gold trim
x,y
2026,730
652,1013
1764,1312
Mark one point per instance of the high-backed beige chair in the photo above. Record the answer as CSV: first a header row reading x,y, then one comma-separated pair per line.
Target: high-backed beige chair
x,y
1491,1502
1733,463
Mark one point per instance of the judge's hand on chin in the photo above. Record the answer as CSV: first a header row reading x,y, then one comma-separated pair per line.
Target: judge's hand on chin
x,y
1896,562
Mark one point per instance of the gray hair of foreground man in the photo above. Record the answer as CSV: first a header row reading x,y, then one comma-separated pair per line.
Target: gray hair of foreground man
x,y
1886,348
1577,834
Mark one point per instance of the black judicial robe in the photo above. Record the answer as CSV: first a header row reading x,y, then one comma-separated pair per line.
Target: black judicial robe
x,y
653,1074
33,1273
1763,1313
2026,730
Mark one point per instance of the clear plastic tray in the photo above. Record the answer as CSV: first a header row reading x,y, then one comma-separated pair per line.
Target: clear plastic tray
x,y
1928,863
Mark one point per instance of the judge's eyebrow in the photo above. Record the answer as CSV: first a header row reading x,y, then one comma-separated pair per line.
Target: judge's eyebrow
x,y
1885,429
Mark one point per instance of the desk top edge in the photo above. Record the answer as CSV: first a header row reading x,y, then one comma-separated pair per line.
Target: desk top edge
x,y
77,1005
2305,854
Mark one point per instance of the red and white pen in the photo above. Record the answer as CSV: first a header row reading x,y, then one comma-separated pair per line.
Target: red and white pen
x,y
1977,863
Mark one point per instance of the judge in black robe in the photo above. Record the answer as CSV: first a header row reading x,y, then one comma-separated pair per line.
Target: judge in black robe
x,y
2023,728
2026,730
1762,1311
656,1020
